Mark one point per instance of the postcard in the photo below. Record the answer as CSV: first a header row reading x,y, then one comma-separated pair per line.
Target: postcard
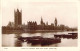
x,y
39,25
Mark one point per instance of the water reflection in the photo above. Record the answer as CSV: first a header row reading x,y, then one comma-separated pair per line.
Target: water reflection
x,y
18,43
11,40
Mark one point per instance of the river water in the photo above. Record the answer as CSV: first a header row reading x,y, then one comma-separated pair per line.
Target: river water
x,y
10,40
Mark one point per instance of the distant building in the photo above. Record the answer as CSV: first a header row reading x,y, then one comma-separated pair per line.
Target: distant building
x,y
42,27
32,25
42,23
18,18
55,22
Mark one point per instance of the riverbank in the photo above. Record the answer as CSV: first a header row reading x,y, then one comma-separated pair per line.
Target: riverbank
x,y
31,31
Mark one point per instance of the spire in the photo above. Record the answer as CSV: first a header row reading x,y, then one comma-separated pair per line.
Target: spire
x,y
55,21
17,10
41,20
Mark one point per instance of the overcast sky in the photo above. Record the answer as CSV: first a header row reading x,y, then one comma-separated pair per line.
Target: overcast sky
x,y
65,12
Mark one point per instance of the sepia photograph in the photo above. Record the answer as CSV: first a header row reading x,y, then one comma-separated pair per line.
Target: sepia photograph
x,y
39,23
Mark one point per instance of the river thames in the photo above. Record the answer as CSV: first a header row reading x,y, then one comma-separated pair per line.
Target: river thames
x,y
10,40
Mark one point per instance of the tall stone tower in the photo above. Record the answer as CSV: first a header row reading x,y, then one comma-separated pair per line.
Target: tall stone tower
x,y
55,22
17,18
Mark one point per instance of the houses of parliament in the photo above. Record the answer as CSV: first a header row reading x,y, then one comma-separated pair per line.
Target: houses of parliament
x,y
32,25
